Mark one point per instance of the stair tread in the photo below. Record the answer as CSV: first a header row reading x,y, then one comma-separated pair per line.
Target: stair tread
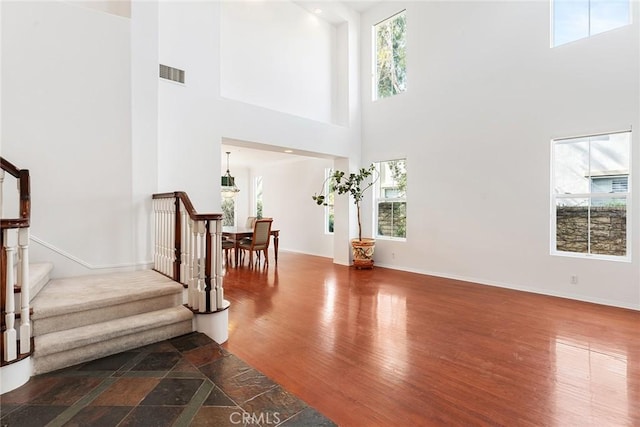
x,y
95,333
74,294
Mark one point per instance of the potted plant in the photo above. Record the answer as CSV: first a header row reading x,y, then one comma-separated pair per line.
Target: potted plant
x,y
354,184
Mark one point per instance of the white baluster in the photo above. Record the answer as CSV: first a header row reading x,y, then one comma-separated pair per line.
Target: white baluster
x,y
166,233
1,192
165,236
23,256
10,335
172,237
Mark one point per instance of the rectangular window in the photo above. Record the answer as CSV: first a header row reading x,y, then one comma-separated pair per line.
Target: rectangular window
x,y
229,211
390,41
577,19
328,207
591,195
391,199
258,195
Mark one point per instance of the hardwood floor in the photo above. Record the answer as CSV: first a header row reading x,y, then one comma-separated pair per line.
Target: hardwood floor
x,y
383,347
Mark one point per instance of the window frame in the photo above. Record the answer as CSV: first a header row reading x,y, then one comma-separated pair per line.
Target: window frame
x,y
589,195
329,200
590,18
258,188
374,56
379,199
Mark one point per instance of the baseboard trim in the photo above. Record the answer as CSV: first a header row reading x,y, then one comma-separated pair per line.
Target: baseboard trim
x,y
476,281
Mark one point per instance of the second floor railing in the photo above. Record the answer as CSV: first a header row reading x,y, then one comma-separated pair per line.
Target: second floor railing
x,y
15,339
188,249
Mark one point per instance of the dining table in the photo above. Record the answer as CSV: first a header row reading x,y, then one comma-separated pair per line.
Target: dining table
x,y
237,233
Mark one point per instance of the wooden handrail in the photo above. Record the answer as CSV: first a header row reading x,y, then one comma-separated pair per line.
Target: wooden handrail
x,y
9,167
24,188
184,198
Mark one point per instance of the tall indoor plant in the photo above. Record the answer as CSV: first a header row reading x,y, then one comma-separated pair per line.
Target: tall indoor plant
x,y
354,184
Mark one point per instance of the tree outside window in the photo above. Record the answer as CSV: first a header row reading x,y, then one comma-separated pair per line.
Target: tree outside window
x,y
390,56
258,192
391,203
228,212
329,215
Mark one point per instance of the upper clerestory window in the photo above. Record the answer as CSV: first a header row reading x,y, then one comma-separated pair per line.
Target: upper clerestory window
x,y
577,19
390,41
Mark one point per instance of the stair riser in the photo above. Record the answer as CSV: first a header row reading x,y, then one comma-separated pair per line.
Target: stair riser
x,y
39,276
103,314
114,345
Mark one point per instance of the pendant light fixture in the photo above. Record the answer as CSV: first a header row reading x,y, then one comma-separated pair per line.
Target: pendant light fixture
x,y
228,184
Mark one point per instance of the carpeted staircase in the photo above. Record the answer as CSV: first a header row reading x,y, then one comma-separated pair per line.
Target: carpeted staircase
x,y
84,318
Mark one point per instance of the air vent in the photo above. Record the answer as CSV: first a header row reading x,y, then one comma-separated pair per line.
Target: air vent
x,y
171,73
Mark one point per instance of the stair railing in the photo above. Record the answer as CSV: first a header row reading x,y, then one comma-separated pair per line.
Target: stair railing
x,y
188,249
14,268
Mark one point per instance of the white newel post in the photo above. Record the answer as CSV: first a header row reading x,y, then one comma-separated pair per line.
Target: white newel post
x,y
165,235
10,335
192,271
23,257
162,215
187,247
215,323
217,270
202,254
184,245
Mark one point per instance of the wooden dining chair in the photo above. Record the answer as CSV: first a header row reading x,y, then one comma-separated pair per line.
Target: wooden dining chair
x,y
227,247
259,241
250,221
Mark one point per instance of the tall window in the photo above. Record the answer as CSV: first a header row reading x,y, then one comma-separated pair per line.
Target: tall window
x,y
390,38
328,208
258,193
576,19
591,195
391,199
228,211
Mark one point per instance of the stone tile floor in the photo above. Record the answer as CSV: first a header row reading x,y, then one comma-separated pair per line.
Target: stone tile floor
x,y
185,381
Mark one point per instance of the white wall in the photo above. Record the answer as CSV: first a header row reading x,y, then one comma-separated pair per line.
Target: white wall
x,y
279,56
66,95
485,96
188,117
194,117
144,116
287,191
